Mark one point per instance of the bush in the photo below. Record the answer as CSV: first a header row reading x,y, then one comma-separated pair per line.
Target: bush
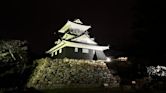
x,y
57,73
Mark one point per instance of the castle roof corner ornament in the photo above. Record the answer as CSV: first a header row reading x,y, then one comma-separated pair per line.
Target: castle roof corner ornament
x,y
78,21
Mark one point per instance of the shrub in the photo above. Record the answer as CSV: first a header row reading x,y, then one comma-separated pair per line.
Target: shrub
x,y
55,73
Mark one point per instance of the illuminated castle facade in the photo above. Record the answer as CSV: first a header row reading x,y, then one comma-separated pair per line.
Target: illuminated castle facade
x,y
76,43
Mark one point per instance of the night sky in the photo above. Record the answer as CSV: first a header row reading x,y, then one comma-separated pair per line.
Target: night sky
x,y
36,21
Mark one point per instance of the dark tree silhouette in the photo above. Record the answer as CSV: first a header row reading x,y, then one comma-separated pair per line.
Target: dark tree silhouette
x,y
13,60
149,27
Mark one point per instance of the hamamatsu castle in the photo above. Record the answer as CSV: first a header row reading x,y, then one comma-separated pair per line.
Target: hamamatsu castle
x,y
75,43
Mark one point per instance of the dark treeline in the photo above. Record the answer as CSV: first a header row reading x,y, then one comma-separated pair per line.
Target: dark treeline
x,y
149,48
149,31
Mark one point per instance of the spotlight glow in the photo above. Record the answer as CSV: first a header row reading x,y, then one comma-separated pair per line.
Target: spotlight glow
x,y
108,59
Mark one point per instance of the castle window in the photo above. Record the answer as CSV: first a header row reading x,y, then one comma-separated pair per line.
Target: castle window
x,y
55,53
60,50
76,49
52,54
85,50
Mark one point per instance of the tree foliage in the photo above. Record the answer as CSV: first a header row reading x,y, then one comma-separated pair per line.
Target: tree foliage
x,y
13,59
12,51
